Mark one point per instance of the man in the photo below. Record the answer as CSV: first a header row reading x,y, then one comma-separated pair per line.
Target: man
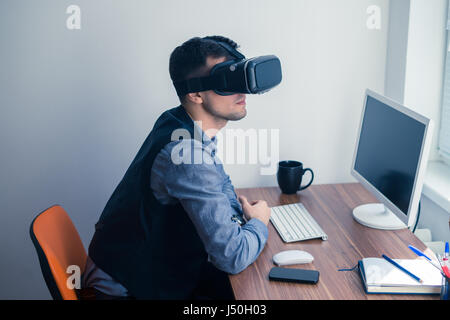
x,y
171,229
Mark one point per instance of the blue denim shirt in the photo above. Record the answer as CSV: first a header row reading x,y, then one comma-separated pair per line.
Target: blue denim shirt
x,y
206,193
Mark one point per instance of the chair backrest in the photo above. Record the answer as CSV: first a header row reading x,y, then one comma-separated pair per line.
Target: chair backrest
x,y
58,246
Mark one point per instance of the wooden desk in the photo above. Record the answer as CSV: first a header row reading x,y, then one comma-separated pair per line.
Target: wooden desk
x,y
348,241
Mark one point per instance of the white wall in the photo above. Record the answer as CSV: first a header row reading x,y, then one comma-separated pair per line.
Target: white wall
x,y
397,49
77,105
425,61
416,58
329,58
423,89
414,77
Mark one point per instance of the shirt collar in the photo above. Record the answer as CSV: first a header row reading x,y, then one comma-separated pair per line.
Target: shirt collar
x,y
211,142
205,137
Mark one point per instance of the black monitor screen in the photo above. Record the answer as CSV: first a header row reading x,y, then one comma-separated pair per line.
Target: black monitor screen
x,y
388,151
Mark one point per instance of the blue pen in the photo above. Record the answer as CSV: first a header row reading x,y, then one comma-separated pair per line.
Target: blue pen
x,y
446,250
402,269
418,252
421,254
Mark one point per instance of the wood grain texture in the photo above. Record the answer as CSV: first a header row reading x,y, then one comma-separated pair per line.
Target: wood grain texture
x,y
348,241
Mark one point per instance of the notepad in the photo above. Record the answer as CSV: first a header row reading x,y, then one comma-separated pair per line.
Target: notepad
x,y
380,276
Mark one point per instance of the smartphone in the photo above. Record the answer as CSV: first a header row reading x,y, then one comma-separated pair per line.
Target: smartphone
x,y
294,275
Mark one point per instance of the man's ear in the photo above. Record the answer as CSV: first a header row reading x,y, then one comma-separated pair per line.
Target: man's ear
x,y
194,97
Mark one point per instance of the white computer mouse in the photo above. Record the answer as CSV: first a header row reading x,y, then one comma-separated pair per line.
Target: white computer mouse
x,y
288,257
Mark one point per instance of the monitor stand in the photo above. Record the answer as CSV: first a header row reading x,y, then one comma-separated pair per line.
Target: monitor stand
x,y
378,216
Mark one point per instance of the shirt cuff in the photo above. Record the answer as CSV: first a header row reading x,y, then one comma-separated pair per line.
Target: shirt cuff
x,y
260,227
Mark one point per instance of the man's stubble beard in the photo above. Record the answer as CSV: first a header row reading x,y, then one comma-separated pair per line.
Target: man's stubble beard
x,y
234,116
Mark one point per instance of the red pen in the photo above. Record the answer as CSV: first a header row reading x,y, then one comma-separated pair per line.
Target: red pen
x,y
444,266
445,260
446,271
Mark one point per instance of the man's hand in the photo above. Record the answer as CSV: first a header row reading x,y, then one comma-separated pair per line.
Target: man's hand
x,y
257,209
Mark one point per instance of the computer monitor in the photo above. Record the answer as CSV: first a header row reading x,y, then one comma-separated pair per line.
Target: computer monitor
x,y
390,161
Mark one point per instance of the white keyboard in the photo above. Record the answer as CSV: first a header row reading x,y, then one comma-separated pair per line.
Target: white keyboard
x,y
294,223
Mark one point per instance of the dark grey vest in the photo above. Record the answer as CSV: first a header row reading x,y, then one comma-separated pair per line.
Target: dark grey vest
x,y
153,250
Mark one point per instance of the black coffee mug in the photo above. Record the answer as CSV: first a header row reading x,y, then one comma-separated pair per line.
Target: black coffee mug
x,y
289,176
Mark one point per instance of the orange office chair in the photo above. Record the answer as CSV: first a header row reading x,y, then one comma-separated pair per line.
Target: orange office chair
x,y
58,246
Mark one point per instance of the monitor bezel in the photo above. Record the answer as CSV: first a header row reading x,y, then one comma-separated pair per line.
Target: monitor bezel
x,y
409,218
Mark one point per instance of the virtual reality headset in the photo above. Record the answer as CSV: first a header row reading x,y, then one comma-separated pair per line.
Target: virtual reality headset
x,y
240,75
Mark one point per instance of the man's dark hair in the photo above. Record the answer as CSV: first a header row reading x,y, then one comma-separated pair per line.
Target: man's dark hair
x,y
189,60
